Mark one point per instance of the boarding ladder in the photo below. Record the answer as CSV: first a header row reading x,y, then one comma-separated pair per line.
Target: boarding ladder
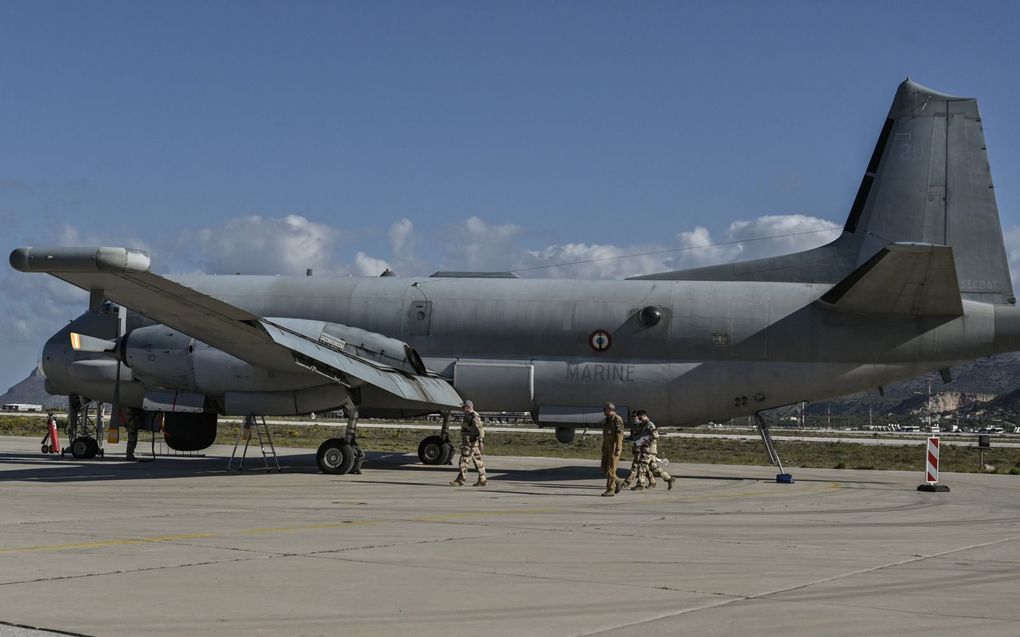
x,y
265,440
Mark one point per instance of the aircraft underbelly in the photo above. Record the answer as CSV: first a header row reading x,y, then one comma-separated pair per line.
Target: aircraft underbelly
x,y
694,393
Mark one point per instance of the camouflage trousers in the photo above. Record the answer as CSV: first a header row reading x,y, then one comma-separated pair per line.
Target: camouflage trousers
x,y
635,471
469,453
132,440
649,469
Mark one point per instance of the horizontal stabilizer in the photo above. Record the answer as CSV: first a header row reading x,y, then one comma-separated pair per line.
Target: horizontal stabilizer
x,y
901,279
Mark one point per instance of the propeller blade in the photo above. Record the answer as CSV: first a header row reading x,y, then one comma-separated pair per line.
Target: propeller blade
x,y
85,343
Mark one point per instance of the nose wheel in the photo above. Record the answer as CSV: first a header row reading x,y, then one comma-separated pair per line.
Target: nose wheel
x,y
85,448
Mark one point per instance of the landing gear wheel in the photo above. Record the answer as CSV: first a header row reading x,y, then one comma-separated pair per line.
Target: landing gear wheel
x,y
447,453
335,456
81,448
431,450
94,449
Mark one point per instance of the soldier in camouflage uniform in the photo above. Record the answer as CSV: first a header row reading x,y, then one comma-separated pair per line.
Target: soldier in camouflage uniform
x,y
647,443
132,425
636,427
472,437
612,445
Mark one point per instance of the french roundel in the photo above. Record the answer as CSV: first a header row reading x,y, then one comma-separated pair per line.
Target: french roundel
x,y
600,340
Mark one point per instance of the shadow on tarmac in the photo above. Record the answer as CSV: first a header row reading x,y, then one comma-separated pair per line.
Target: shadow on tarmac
x,y
51,468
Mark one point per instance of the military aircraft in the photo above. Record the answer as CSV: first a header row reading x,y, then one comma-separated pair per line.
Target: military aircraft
x,y
917,281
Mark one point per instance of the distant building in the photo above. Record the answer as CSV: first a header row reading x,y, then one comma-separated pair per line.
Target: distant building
x,y
20,407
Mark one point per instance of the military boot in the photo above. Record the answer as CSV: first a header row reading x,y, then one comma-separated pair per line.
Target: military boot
x,y
480,483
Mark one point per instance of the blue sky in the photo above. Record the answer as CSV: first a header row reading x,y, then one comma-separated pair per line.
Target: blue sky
x,y
272,136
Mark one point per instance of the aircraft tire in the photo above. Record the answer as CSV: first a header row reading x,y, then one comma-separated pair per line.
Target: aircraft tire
x,y
447,453
431,450
80,448
335,457
94,449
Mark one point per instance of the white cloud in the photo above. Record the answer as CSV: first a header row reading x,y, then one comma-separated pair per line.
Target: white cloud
x,y
479,245
401,236
259,245
476,244
369,266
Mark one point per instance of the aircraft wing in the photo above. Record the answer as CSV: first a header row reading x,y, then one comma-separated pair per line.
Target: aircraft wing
x,y
123,276
901,279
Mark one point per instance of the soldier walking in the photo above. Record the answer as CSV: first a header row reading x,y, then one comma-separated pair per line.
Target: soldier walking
x,y
612,445
649,466
635,432
472,441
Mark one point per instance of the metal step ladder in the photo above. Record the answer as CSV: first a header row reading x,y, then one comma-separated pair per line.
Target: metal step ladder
x,y
265,439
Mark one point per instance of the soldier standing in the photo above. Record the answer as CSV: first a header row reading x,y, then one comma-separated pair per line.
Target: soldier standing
x,y
612,445
649,466
472,437
131,424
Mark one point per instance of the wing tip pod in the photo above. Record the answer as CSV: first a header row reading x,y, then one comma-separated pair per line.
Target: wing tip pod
x,y
59,259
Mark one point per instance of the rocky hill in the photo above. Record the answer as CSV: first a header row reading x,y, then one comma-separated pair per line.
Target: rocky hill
x,y
31,391
972,386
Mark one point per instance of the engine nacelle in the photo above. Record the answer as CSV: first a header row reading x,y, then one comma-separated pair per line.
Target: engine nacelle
x,y
161,356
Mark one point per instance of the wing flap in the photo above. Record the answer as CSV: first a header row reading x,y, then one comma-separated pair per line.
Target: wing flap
x,y
342,367
901,279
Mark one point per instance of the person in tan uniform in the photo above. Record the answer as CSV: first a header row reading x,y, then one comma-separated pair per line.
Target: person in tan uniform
x,y
472,440
612,445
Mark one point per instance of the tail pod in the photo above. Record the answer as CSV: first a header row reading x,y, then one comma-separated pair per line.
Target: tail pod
x,y
927,182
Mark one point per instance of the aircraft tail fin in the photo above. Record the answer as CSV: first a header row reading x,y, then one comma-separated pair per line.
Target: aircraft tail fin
x,y
928,181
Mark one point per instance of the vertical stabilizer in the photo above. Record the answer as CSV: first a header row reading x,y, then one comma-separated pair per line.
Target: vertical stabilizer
x,y
928,181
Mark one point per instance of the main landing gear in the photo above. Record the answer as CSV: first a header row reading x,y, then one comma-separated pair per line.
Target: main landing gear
x,y
437,450
340,456
766,437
